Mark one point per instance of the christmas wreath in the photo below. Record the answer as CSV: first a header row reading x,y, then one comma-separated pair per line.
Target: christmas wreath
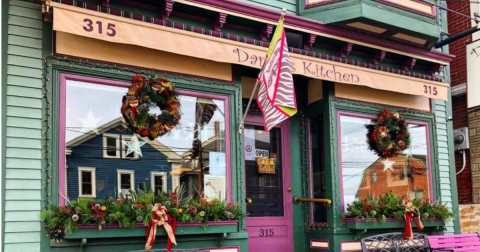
x,y
145,94
389,137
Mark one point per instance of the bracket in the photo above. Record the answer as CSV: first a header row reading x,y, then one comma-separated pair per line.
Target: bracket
x,y
409,64
219,21
266,31
308,41
167,8
105,3
47,15
436,69
222,239
345,50
379,57
83,244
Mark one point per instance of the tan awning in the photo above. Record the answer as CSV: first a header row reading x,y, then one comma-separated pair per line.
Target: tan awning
x,y
115,29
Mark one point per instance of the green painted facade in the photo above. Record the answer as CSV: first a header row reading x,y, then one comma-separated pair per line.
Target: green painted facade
x,y
30,83
23,135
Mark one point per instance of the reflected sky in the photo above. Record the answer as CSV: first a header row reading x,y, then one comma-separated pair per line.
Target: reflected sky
x,y
89,106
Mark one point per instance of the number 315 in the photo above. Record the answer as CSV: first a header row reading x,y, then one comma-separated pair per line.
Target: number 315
x,y
429,90
89,27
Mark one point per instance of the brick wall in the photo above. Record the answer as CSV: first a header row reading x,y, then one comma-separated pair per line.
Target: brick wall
x,y
464,180
457,24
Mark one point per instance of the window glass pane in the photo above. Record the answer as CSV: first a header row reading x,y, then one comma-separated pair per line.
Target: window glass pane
x,y
158,183
194,153
317,179
125,149
125,181
365,175
265,190
86,183
111,146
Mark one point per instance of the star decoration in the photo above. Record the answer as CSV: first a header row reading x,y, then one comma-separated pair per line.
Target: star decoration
x,y
90,122
134,146
387,164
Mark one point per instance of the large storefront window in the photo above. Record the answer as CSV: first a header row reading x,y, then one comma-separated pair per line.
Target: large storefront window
x,y
365,175
97,161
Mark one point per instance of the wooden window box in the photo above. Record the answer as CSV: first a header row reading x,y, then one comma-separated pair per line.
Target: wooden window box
x,y
362,224
114,231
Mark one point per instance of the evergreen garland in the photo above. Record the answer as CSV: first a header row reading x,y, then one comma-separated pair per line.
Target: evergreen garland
x,y
136,209
392,206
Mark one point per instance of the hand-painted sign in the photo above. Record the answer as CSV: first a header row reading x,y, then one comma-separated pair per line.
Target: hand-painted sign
x,y
102,26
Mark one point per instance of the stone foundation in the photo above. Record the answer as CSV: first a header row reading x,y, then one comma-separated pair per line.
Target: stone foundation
x,y
469,218
474,132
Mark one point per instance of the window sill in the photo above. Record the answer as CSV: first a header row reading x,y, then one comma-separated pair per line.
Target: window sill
x,y
114,231
362,224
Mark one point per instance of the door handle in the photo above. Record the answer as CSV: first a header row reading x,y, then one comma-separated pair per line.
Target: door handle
x,y
248,201
297,200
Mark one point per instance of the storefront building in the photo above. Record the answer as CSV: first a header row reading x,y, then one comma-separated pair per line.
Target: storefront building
x,y
69,63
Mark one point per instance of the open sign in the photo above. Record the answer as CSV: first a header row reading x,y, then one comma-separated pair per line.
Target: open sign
x,y
259,153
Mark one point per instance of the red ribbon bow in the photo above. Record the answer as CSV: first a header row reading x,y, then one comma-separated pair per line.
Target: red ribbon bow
x,y
408,225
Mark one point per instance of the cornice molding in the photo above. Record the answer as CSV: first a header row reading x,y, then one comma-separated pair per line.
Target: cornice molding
x,y
267,15
459,90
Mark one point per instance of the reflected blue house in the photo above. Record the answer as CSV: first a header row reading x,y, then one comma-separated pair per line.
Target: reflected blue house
x,y
97,164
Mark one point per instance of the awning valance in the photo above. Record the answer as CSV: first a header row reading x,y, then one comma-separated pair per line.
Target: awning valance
x,y
115,29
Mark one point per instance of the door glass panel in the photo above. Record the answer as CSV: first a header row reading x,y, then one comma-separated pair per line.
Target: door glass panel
x,y
263,168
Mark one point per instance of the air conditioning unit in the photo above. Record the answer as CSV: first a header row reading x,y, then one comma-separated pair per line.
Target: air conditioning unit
x,y
460,139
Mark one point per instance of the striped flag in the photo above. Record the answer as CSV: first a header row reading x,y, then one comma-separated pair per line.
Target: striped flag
x,y
276,97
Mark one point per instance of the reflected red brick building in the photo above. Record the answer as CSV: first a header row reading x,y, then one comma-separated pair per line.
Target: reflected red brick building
x,y
407,176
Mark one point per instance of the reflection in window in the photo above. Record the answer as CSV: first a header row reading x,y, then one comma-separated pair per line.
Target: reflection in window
x,y
374,177
86,182
365,175
110,146
317,169
194,153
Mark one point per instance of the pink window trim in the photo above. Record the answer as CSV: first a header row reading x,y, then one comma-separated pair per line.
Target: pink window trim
x,y
62,124
358,115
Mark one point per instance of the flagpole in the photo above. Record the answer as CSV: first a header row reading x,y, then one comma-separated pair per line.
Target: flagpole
x,y
240,127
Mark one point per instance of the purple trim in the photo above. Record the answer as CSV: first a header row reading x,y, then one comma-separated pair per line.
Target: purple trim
x,y
62,118
386,220
194,224
432,14
339,143
308,6
305,23
287,196
317,248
